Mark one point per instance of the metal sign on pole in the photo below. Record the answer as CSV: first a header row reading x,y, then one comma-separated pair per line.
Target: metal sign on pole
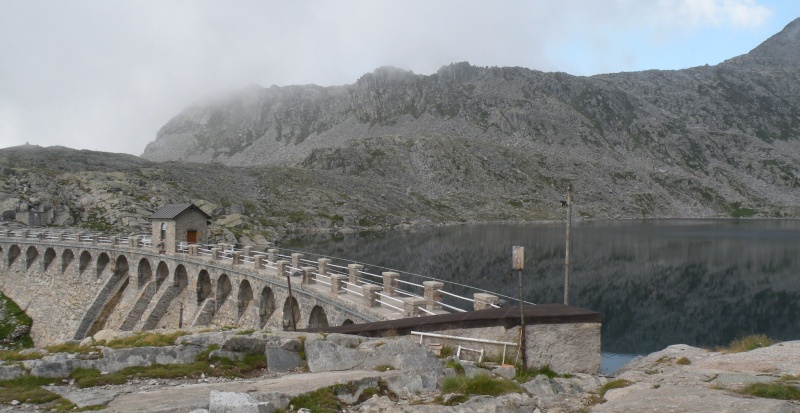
x,y
518,261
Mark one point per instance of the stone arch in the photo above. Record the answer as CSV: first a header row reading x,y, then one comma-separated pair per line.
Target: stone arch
x,y
266,306
223,289
318,319
245,296
203,286
30,256
84,261
120,266
66,259
162,271
291,314
144,273
348,322
13,253
49,257
102,261
180,278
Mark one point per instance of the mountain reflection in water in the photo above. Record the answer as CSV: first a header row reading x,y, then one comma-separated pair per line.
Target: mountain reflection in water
x,y
656,283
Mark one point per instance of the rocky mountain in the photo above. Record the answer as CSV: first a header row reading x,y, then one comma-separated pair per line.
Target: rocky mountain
x,y
701,142
109,192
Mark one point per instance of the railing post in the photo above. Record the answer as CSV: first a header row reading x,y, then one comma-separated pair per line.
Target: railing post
x,y
134,241
390,283
371,297
296,257
214,254
337,284
114,240
411,306
61,236
192,250
236,258
308,275
248,251
281,267
322,263
483,301
258,261
271,253
433,294
353,270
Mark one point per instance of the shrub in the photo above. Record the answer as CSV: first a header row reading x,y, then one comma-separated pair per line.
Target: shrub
x,y
683,361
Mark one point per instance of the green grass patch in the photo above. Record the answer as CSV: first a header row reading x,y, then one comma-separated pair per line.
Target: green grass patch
x,y
747,343
318,401
455,365
10,355
246,332
772,391
479,384
27,389
249,366
73,348
13,319
447,351
614,384
524,375
452,401
142,339
683,361
385,367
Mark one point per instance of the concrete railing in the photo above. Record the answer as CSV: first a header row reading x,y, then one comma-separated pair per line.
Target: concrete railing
x,y
343,278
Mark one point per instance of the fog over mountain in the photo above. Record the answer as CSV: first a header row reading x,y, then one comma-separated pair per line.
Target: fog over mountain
x,y
465,144
706,141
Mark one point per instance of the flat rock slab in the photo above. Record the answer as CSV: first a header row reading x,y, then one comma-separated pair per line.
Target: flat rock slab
x,y
643,398
84,398
196,396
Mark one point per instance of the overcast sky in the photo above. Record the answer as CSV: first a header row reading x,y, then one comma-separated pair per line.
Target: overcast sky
x,y
106,74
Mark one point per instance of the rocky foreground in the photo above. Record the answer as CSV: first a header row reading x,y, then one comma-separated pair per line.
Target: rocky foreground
x,y
354,374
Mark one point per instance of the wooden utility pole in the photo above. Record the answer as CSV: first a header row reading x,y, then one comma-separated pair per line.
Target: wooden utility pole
x,y
518,260
566,255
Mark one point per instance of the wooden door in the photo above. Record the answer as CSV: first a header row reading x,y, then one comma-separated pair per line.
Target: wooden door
x,y
191,237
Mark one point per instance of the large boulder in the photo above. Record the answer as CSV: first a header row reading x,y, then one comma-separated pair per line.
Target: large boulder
x,y
245,344
322,355
118,359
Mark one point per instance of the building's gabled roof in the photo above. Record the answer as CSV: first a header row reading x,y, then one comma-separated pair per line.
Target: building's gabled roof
x,y
171,211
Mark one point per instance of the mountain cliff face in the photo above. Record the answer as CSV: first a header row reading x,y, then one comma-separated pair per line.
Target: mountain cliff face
x,y
707,141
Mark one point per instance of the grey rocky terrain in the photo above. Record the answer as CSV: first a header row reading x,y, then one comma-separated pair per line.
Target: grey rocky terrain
x,y
400,375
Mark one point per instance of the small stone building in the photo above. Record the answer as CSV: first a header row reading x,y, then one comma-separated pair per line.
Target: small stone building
x,y
179,223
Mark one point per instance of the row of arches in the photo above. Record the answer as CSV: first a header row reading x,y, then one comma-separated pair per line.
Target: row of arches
x,y
221,287
67,257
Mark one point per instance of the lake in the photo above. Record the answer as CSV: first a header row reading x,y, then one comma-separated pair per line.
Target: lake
x,y
656,282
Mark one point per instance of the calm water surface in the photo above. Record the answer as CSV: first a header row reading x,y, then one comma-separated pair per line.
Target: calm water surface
x,y
656,283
